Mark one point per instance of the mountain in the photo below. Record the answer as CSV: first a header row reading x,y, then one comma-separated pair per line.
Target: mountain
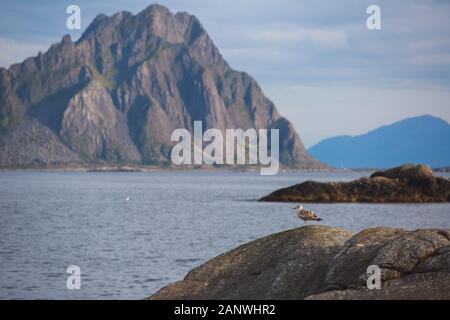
x,y
419,140
116,95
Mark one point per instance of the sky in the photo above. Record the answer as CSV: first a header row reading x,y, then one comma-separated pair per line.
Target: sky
x,y
315,59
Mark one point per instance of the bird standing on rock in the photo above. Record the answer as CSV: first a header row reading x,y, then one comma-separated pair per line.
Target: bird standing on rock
x,y
305,214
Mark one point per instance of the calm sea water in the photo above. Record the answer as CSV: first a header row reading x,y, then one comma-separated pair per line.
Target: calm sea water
x,y
173,223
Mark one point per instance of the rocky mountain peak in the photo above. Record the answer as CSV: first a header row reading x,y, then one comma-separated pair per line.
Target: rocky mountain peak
x,y
117,93
156,20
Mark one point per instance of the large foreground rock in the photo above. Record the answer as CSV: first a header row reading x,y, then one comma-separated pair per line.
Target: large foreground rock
x,y
276,267
318,262
408,183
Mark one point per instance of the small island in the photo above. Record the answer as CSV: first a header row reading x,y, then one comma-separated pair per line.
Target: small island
x,y
404,184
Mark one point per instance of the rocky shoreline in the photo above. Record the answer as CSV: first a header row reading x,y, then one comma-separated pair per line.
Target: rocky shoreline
x,y
404,184
321,263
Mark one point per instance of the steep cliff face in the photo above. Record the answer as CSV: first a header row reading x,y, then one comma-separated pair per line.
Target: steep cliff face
x,y
117,94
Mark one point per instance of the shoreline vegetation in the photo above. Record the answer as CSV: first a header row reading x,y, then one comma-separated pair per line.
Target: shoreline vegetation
x,y
154,168
99,167
324,263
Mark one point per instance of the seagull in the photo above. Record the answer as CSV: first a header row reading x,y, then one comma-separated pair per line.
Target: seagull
x,y
128,199
305,214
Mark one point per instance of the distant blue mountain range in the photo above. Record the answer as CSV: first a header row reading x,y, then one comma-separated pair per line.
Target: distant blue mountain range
x,y
424,139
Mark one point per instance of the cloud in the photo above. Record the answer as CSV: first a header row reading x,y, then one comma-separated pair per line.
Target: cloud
x,y
323,37
430,44
323,49
430,59
14,51
297,41
324,111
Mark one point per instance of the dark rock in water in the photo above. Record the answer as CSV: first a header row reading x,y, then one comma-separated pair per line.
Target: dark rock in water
x,y
408,183
405,172
318,262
